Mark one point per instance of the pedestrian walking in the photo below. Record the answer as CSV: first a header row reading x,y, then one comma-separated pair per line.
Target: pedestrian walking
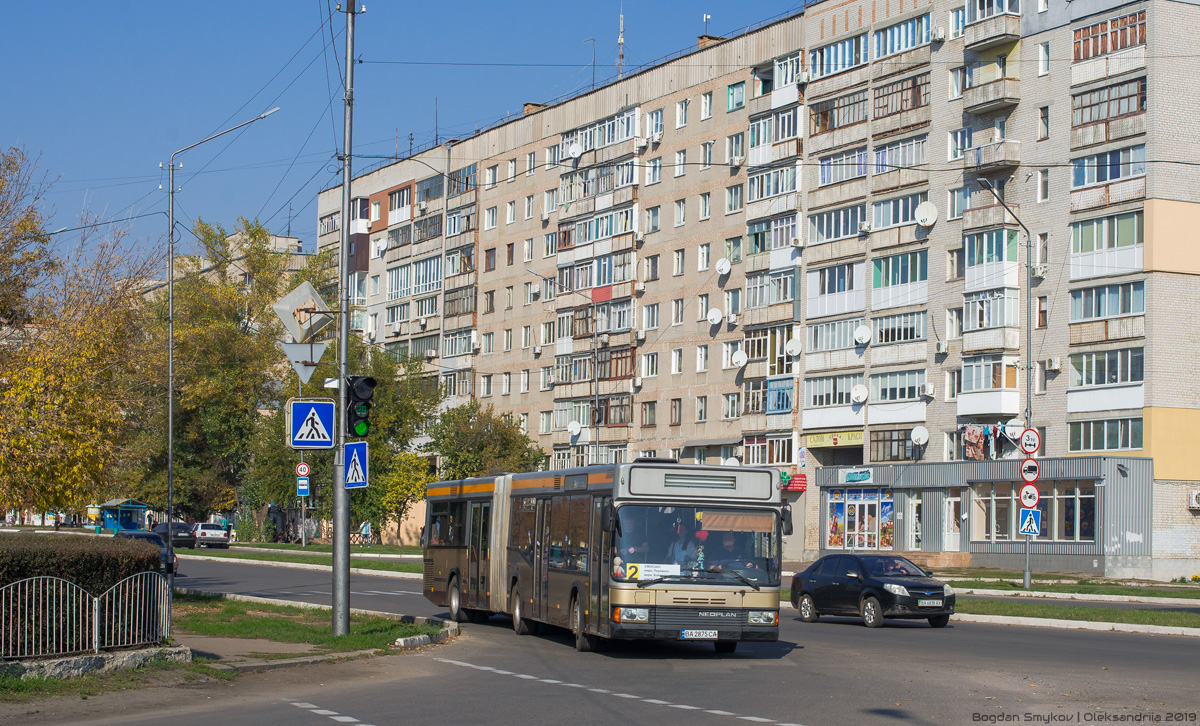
x,y
365,530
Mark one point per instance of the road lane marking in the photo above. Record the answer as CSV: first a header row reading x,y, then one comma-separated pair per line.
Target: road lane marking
x,y
303,705
756,719
656,702
325,712
333,715
685,706
344,719
719,712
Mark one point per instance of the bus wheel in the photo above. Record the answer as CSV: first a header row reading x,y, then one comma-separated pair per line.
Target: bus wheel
x,y
584,643
520,625
454,599
725,646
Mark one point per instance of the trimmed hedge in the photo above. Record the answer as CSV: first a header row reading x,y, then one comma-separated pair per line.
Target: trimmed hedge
x,y
93,563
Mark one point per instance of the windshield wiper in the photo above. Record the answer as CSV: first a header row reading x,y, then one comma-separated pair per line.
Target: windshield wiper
x,y
741,577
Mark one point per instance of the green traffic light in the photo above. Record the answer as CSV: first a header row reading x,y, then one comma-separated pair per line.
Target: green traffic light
x,y
361,428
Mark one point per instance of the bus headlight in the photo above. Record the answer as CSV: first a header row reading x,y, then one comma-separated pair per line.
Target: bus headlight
x,y
764,617
631,615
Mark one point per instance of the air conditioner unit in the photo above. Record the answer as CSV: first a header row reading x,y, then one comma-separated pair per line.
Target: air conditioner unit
x,y
639,286
431,354
736,161
1054,363
422,323
535,293
639,236
550,381
422,206
545,216
938,35
731,318
395,327
927,390
941,347
537,350
640,144
656,137
1039,272
803,77
371,336
797,242
603,338
637,382
1194,499
639,335
864,227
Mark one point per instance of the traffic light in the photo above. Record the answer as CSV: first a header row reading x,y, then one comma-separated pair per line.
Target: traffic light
x,y
359,391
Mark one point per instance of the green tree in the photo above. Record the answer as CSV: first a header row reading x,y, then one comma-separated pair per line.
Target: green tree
x,y
474,441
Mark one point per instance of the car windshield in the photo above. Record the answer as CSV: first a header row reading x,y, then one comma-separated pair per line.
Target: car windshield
x,y
891,567
711,544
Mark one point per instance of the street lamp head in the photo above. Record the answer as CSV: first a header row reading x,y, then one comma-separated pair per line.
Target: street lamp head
x,y
268,113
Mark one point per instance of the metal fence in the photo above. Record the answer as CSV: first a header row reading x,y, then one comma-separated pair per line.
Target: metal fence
x,y
43,616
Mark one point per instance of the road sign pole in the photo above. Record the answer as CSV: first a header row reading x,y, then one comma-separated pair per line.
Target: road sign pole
x,y
1028,574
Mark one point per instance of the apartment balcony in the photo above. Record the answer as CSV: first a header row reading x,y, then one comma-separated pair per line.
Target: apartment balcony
x,y
897,178
993,31
836,250
755,369
895,236
894,296
577,208
991,339
901,62
400,252
462,279
992,215
1117,192
838,81
758,105
1123,61
993,96
1103,331
848,358
772,205
919,116
427,247
624,195
1120,397
833,417
401,215
754,422
843,193
1108,261
844,136
1106,131
896,412
992,275
998,156
899,353
989,402
615,151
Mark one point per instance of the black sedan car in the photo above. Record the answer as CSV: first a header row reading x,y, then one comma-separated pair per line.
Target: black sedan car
x,y
155,540
181,534
873,586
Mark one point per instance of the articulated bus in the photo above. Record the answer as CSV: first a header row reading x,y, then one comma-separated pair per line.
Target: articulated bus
x,y
648,550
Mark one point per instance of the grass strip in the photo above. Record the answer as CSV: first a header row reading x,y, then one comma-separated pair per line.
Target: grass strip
x,y
1025,609
971,573
373,549
1086,588
313,559
158,672
286,624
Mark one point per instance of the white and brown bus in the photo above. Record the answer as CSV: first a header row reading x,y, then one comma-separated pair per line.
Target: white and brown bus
x,y
648,550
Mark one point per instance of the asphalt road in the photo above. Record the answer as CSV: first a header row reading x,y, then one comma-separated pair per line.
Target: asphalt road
x,y
834,672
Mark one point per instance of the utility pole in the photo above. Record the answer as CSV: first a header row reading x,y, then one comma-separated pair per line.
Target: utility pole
x,y
593,42
341,496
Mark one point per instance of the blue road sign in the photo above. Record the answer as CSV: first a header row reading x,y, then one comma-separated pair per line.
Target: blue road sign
x,y
1031,522
356,465
311,424
302,486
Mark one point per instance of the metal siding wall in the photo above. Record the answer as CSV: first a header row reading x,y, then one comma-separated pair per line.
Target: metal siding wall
x,y
1125,506
933,511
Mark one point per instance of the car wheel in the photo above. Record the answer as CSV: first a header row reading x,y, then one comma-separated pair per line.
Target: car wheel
x,y
725,646
938,621
584,643
454,601
872,615
808,610
521,626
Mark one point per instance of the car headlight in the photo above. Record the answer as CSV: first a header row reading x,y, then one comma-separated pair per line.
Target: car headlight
x,y
764,617
947,591
900,590
631,615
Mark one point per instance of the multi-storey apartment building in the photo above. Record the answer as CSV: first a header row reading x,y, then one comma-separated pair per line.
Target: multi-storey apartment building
x,y
788,248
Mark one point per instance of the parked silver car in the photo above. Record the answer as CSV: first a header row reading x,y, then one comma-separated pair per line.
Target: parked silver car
x,y
210,535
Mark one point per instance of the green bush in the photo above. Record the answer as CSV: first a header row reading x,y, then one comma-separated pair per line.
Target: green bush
x,y
93,563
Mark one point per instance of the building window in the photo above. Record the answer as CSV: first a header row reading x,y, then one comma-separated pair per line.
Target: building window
x,y
680,162
903,36
772,183
830,390
991,309
706,100
680,212
897,386
902,96
958,21
897,212
734,147
902,328
954,323
960,141
900,155
733,199
1112,232
1043,311
989,372
843,167
1044,57
893,445
983,9
649,413
736,96
1043,185
652,215
1043,123
1107,103
1108,301
1107,435
681,113
837,335
1106,368
837,113
1110,36
733,250
902,269
960,201
654,171
705,205
994,245
649,365
702,359
731,406
1108,166
838,57
676,411
953,384
677,312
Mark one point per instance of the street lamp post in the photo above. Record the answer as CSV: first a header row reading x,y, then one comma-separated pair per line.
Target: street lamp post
x,y
1028,337
171,339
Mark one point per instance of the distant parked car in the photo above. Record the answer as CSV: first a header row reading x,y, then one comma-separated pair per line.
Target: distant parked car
x,y
871,586
181,534
210,535
155,540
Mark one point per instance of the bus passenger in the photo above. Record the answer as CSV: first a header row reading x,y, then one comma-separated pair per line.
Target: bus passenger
x,y
683,550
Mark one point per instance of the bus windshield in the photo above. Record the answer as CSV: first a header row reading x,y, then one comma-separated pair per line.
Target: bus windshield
x,y
709,544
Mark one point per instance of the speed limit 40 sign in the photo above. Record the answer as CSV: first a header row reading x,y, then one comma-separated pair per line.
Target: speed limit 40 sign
x,y
302,469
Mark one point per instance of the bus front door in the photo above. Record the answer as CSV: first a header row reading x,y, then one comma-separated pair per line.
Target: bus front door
x,y
478,555
541,562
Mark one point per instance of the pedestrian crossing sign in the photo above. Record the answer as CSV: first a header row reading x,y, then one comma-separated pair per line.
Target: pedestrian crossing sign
x,y
356,465
1031,522
310,423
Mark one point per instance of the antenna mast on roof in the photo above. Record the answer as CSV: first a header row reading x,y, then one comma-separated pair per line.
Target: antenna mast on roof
x,y
621,46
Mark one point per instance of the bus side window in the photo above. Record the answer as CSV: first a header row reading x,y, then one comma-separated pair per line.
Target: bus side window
x,y
579,532
559,520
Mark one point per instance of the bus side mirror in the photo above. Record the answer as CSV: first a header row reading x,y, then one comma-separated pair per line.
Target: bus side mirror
x,y
787,519
606,517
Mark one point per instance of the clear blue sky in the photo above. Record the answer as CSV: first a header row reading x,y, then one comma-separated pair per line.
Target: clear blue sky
x,y
104,91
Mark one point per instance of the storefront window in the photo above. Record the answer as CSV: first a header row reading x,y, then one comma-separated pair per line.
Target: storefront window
x,y
861,519
1068,512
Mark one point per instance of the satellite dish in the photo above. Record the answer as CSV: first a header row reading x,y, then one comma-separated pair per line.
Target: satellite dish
x,y
575,150
919,435
926,214
723,266
793,347
714,316
859,393
862,335
739,358
732,461
574,428
1014,428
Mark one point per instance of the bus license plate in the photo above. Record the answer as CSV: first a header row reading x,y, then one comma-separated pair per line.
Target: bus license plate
x,y
698,635
929,603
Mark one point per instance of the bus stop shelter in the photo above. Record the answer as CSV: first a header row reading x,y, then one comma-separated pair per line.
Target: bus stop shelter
x,y
123,514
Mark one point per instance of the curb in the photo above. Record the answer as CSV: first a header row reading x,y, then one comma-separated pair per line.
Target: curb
x,y
353,555
73,666
1085,597
302,566
1077,624
449,629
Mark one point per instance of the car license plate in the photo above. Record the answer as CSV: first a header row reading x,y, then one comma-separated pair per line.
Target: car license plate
x,y
929,603
698,635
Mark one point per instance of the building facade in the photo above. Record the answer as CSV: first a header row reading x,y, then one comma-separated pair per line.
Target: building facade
x,y
813,245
